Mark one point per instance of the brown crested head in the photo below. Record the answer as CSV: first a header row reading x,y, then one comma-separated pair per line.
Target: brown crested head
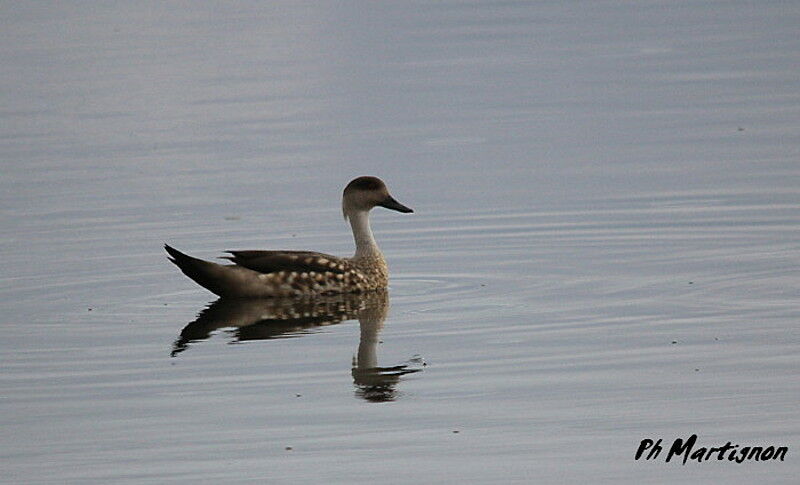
x,y
364,193
366,183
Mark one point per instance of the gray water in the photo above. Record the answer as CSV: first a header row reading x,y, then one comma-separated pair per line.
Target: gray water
x,y
605,246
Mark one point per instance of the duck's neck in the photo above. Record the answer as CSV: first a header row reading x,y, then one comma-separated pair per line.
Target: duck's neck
x,y
362,233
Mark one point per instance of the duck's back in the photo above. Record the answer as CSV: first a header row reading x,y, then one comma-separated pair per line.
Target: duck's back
x,y
308,272
294,261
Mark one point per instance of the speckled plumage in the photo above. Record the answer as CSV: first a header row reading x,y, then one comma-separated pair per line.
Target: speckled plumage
x,y
257,273
322,274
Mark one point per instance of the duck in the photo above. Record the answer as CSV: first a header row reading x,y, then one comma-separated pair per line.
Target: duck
x,y
285,273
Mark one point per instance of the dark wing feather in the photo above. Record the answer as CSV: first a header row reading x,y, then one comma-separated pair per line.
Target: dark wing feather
x,y
272,261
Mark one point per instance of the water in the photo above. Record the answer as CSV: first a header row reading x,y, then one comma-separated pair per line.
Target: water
x,y
604,247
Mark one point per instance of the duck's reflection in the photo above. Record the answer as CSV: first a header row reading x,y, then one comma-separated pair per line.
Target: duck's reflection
x,y
254,319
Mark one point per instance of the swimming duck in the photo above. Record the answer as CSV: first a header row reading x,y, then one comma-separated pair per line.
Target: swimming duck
x,y
258,274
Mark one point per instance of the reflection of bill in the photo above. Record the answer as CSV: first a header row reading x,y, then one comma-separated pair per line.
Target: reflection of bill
x,y
274,318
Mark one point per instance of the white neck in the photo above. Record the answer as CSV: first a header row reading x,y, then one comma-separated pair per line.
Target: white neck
x,y
362,233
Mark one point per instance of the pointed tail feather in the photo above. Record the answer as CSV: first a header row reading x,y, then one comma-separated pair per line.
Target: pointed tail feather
x,y
179,259
207,274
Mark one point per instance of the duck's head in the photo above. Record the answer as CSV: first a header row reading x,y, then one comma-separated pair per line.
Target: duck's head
x,y
364,193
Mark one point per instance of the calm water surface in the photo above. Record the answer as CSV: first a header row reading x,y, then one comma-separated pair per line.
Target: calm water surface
x,y
605,244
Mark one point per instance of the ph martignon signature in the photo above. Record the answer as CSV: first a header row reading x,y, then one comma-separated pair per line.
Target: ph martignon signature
x,y
686,450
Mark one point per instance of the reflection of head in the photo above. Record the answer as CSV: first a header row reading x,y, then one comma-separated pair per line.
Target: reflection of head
x,y
380,391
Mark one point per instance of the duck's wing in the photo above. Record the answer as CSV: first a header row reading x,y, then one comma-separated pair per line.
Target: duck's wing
x,y
300,261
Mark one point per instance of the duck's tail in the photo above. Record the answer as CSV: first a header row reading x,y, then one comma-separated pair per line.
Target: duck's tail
x,y
205,273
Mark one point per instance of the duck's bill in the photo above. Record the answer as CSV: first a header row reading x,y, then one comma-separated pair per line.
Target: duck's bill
x,y
390,203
